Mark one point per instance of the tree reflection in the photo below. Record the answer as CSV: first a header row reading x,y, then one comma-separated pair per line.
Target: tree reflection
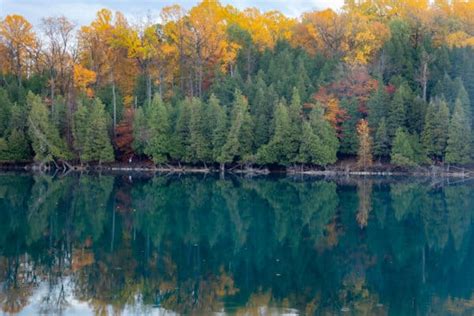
x,y
202,244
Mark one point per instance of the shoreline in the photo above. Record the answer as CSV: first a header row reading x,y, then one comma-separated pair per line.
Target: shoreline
x,y
384,170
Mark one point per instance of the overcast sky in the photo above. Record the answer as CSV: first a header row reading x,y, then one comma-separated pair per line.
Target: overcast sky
x,y
83,11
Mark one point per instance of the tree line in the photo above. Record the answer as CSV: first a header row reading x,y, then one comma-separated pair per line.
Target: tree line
x,y
392,82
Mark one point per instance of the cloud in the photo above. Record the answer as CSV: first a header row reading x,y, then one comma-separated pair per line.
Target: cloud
x,y
82,12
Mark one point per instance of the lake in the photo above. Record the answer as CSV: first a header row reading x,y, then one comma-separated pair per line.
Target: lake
x,y
202,245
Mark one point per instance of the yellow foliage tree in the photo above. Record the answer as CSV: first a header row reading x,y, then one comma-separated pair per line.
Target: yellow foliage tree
x,y
83,78
18,42
365,144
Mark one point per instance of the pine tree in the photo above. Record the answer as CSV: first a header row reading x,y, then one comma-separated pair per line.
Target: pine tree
x,y
459,147
263,113
327,154
364,153
239,140
402,151
97,146
140,131
219,135
5,112
349,142
80,128
310,146
381,140
4,154
397,112
463,98
319,143
279,149
434,136
378,104
181,135
416,112
158,125
294,131
407,150
45,140
18,148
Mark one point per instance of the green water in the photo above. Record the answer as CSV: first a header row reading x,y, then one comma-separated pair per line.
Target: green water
x,y
263,246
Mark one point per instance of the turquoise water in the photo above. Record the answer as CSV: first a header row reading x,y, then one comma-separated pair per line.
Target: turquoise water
x,y
102,244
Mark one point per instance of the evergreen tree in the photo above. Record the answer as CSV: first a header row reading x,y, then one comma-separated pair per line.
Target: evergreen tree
x,y
458,149
158,125
262,112
140,130
181,134
97,146
294,131
407,150
435,131
465,102
381,140
4,154
202,125
18,147
327,134
80,129
279,149
319,143
310,146
45,140
416,112
349,141
239,140
378,105
5,112
402,152
219,135
397,112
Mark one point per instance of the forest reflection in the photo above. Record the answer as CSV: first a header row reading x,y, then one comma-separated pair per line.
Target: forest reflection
x,y
196,245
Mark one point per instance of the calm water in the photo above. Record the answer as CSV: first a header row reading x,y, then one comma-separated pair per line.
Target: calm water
x,y
207,246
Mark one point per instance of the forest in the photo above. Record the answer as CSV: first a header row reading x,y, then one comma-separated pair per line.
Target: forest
x,y
379,81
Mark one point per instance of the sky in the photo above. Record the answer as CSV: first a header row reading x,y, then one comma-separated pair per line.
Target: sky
x,y
82,12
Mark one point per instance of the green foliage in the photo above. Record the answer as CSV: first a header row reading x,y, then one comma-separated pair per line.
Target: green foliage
x,y
201,127
105,94
349,141
319,143
407,150
97,146
158,129
80,129
397,114
239,142
458,149
434,136
5,112
278,149
181,135
45,140
218,115
378,105
18,147
381,140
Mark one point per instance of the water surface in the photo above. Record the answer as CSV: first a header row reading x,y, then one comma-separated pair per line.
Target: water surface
x,y
103,244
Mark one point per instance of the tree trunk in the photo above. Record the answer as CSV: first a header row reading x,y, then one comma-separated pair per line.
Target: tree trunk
x,y
53,86
114,102
424,79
